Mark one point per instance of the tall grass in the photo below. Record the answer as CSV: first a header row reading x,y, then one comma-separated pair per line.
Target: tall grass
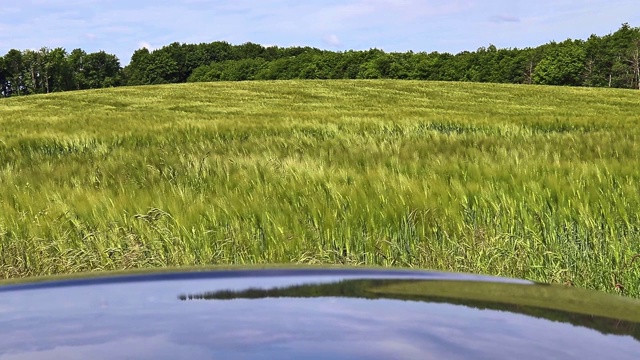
x,y
531,182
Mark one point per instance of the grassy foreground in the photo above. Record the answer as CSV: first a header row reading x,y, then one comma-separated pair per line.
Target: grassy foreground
x,y
531,182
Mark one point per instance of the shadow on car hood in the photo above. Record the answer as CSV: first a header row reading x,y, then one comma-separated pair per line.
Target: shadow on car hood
x,y
312,313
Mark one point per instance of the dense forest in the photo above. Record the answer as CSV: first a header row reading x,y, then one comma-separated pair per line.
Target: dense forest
x,y
612,60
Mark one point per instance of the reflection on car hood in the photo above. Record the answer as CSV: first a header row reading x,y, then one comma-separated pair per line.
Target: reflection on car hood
x,y
312,313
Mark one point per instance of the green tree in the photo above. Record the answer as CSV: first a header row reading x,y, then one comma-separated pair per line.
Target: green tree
x,y
377,65
137,72
280,69
598,62
349,63
101,70
31,70
60,76
75,62
248,50
14,68
161,69
452,68
4,73
169,63
240,70
634,63
562,65
613,56
44,66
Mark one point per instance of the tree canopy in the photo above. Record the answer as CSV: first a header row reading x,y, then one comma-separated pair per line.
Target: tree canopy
x,y
50,70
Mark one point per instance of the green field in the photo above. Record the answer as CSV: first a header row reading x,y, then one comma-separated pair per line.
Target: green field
x,y
541,183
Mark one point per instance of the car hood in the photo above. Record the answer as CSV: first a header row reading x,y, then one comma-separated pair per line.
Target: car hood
x,y
336,313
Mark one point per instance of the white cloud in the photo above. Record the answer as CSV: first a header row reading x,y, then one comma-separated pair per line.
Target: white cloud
x,y
145,45
504,19
332,40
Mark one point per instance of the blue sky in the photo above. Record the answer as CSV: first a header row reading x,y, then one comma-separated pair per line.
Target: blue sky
x,y
122,26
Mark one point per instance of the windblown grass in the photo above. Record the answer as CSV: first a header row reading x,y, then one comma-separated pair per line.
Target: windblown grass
x,y
531,182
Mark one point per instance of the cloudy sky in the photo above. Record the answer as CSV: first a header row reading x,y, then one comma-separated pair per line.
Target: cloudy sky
x,y
122,26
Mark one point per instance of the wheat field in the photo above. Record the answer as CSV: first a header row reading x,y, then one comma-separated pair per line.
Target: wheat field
x,y
533,182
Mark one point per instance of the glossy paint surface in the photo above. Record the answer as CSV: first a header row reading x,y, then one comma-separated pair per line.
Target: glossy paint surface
x,y
310,313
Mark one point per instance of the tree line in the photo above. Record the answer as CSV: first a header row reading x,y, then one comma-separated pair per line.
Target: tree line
x,y
51,70
612,60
